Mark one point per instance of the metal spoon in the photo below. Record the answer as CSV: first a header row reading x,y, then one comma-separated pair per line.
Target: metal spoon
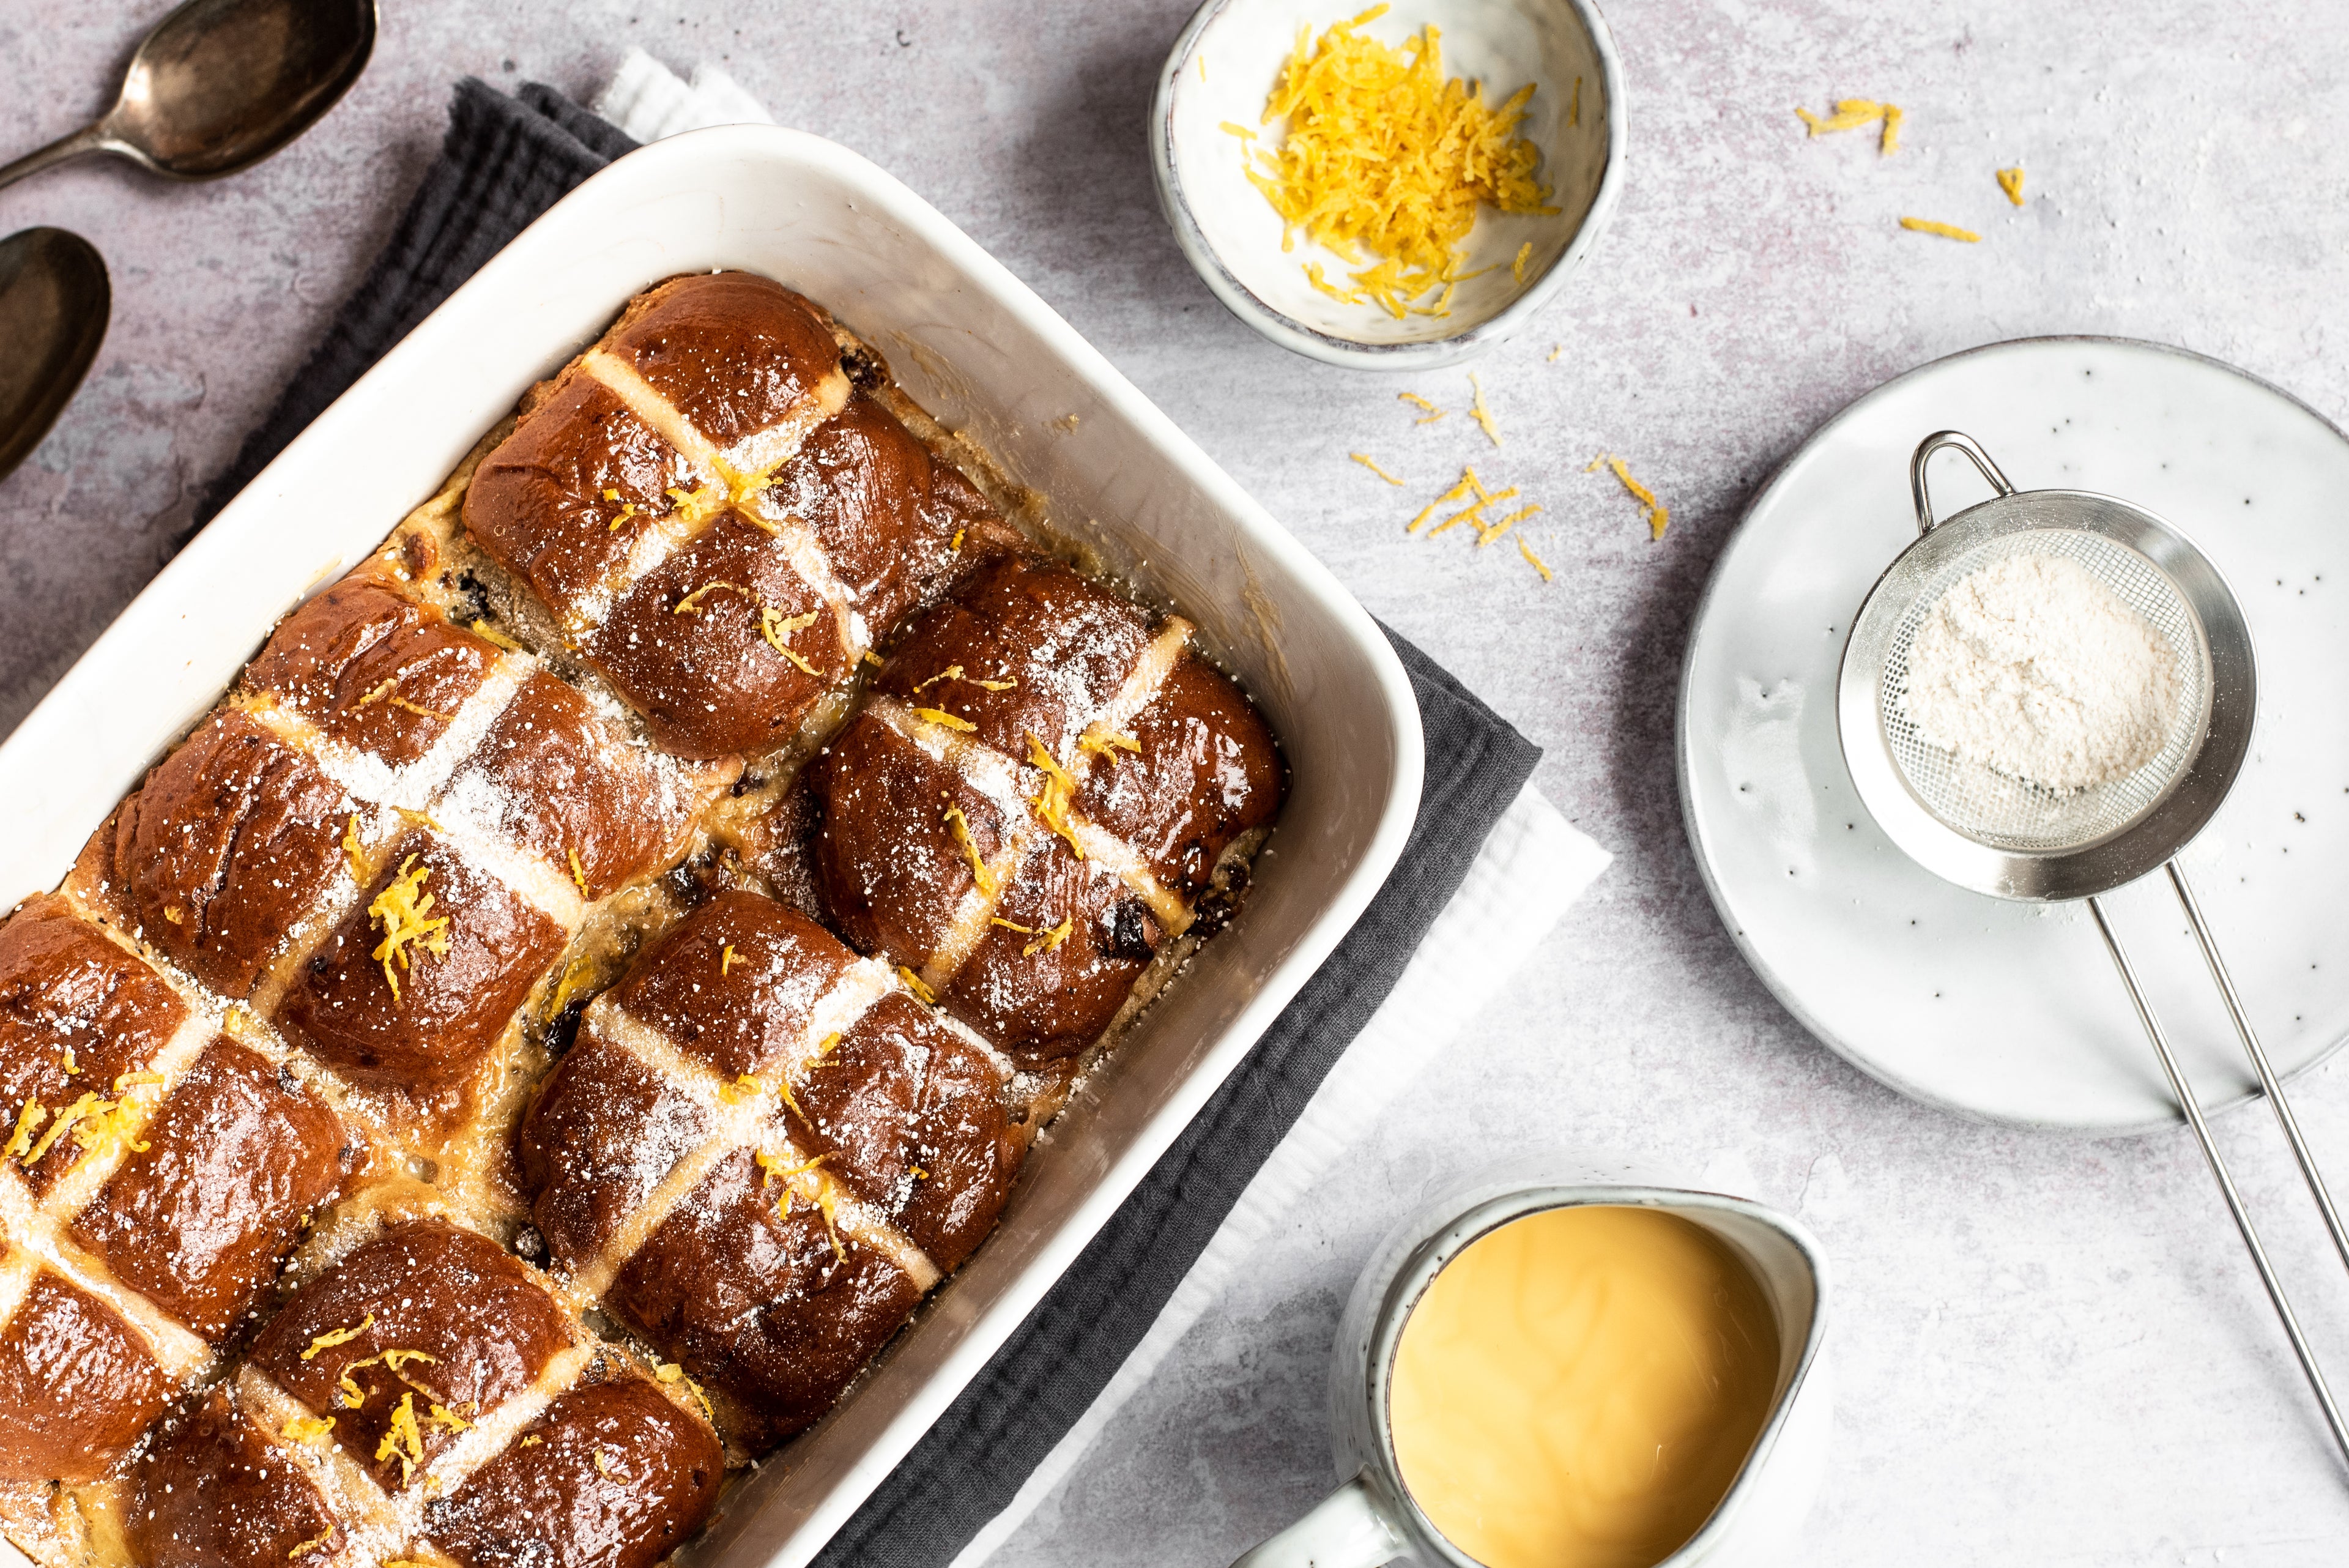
x,y
219,84
53,300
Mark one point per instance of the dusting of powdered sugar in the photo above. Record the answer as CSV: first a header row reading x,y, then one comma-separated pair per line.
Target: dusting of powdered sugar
x,y
2031,666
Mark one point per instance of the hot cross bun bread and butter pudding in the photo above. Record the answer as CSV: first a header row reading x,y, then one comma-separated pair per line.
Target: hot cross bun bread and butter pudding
x,y
532,1044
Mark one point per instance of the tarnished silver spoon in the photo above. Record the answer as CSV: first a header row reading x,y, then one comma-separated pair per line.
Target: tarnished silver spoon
x,y
219,84
53,300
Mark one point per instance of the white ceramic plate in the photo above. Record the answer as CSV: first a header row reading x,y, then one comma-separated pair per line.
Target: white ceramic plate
x,y
1232,235
983,353
2012,1011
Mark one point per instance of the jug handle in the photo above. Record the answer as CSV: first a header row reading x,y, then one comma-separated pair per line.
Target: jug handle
x,y
1350,1528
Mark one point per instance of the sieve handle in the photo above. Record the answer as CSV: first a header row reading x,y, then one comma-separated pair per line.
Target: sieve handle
x,y
2193,1109
1956,440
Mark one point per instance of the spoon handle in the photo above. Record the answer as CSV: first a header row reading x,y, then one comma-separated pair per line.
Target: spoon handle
x,y
89,139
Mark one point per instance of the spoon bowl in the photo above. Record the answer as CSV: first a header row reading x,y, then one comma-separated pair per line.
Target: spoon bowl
x,y
219,85
54,302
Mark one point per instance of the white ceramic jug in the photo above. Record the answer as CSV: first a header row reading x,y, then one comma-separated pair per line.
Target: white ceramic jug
x,y
1370,1517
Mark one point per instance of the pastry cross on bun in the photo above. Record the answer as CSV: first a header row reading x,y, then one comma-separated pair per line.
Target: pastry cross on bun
x,y
1035,801
155,1176
721,518
426,1398
754,1114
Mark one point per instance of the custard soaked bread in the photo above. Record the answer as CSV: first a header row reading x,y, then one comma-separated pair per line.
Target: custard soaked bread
x,y
602,966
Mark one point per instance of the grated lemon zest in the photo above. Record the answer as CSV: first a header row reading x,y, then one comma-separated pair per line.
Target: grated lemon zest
x,y
1319,280
692,603
1657,515
483,629
671,1372
441,1417
90,1108
829,1044
603,1464
403,907
1052,802
1383,151
1365,461
979,872
621,516
914,983
1854,113
29,1121
307,1428
1434,413
66,1060
378,694
953,547
1947,231
577,874
399,701
874,659
1230,129
532,1441
1050,941
1011,925
940,716
1473,513
1534,561
726,961
352,853
775,628
1486,536
740,1089
1482,414
1555,349
305,1547
403,1430
338,1336
1108,743
2011,181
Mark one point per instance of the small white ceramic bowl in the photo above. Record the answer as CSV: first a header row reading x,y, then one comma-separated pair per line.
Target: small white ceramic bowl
x,y
1225,65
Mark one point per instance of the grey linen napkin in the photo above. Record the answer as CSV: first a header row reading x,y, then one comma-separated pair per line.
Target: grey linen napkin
x,y
505,161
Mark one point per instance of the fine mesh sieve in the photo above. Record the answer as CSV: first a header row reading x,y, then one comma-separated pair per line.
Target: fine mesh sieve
x,y
2017,814
2014,839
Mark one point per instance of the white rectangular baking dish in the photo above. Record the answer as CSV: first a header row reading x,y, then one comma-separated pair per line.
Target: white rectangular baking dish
x,y
985,355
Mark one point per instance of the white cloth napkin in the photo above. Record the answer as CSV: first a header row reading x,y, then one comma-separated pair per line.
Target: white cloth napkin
x,y
648,101
1532,869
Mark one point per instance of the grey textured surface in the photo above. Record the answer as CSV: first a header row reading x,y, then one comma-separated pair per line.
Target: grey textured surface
x,y
2049,1350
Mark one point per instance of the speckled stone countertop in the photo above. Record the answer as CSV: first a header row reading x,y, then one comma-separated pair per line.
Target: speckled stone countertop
x,y
2049,1351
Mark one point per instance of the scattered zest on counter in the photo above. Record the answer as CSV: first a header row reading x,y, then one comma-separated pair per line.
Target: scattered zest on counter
x,y
1479,412
1947,231
1365,461
1524,254
1533,560
1658,516
1853,114
1382,152
1555,349
1432,414
2011,181
1485,535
